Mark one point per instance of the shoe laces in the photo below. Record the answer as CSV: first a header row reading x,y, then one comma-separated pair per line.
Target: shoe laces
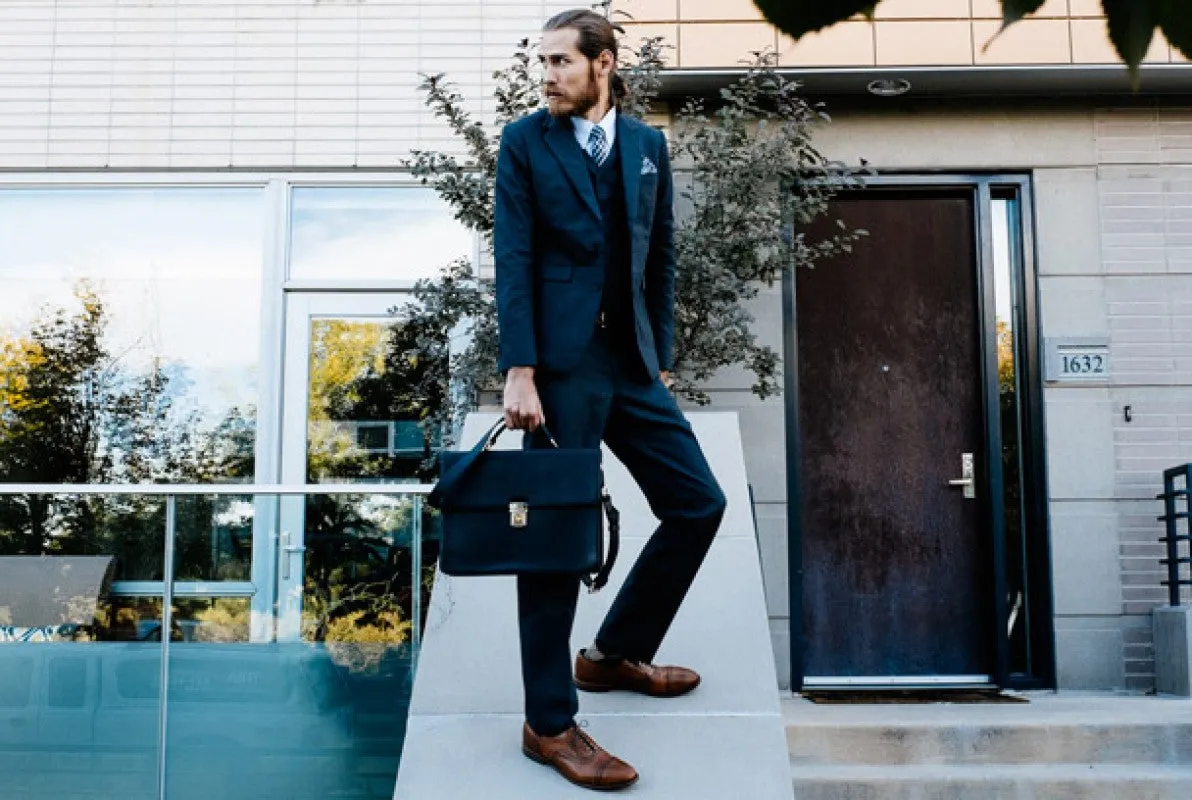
x,y
644,666
578,733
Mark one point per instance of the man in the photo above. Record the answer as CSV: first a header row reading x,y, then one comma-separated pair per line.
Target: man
x,y
585,278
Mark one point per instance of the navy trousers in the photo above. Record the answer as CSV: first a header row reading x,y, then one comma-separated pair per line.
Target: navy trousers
x,y
608,397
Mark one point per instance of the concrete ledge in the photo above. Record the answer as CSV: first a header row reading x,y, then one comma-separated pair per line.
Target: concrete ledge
x,y
721,757
724,740
1173,650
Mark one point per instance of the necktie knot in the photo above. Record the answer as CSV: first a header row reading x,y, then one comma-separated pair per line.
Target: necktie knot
x,y
597,145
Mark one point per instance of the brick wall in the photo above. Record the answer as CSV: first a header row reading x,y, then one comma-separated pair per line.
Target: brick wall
x,y
1145,183
212,84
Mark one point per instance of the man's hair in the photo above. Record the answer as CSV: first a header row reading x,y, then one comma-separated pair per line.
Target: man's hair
x,y
596,34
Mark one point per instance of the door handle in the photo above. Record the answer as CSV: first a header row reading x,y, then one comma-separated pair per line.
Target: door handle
x,y
288,550
967,480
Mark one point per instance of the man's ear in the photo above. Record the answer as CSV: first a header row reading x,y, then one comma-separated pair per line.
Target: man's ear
x,y
608,63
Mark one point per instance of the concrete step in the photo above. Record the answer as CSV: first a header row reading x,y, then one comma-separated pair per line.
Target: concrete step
x,y
999,782
1051,730
1156,744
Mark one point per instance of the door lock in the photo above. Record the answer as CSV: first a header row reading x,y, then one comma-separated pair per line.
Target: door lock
x,y
966,480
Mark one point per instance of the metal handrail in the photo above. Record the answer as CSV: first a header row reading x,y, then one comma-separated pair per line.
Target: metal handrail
x,y
208,489
1173,538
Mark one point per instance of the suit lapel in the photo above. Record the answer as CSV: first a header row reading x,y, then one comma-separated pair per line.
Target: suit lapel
x,y
560,138
631,168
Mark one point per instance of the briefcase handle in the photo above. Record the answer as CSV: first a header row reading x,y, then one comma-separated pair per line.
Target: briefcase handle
x,y
443,488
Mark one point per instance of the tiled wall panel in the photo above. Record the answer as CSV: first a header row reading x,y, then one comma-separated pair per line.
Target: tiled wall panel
x,y
213,84
903,33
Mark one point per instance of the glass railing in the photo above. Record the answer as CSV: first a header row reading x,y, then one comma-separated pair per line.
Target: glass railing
x,y
294,617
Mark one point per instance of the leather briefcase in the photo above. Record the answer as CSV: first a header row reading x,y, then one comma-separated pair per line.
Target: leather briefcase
x,y
514,512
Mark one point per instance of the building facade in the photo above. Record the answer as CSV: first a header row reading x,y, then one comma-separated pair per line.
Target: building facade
x,y
206,222
1102,228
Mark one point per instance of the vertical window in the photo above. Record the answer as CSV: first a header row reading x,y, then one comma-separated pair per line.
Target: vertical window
x,y
1007,262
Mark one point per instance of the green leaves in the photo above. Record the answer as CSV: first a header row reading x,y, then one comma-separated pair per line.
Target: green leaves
x,y
1132,23
1132,28
799,17
1175,18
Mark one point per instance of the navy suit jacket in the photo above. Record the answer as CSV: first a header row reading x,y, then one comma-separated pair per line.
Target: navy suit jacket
x,y
548,240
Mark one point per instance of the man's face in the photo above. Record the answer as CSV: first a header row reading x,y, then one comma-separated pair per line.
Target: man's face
x,y
572,82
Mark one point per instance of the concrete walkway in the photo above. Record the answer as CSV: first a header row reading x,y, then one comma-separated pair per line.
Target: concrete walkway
x,y
723,741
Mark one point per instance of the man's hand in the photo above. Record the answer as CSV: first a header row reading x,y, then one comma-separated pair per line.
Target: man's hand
x,y
523,410
665,377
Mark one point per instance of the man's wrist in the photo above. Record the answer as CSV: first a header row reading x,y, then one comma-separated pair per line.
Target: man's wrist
x,y
521,372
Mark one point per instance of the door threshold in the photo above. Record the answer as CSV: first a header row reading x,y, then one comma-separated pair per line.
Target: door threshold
x,y
899,682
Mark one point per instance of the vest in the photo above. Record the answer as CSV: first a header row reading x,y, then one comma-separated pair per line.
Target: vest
x,y
617,301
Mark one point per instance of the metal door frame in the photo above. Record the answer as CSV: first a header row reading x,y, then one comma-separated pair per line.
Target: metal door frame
x,y
1024,284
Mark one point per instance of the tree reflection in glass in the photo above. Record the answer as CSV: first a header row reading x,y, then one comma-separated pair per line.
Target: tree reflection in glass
x,y
366,423
128,328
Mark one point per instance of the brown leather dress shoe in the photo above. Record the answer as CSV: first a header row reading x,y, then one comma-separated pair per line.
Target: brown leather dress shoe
x,y
633,676
578,759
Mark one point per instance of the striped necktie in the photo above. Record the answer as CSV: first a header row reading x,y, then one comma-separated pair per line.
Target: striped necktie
x,y
597,145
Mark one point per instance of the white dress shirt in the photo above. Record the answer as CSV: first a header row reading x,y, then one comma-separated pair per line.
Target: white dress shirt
x,y
584,126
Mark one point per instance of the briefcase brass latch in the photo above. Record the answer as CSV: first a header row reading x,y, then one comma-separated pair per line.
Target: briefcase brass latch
x,y
519,515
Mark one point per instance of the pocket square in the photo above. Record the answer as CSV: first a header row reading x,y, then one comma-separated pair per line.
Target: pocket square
x,y
648,167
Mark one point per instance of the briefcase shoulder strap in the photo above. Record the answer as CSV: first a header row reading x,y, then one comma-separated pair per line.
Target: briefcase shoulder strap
x,y
596,582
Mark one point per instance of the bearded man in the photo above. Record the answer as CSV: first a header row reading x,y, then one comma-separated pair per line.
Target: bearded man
x,y
585,277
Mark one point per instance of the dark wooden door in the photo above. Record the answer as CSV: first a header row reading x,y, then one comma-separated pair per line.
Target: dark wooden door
x,y
896,566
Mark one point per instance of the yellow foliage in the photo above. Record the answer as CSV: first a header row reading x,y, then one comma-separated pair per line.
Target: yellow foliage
x,y
1005,356
225,620
18,357
390,628
340,351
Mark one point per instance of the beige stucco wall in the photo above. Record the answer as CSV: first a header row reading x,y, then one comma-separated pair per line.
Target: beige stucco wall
x,y
717,33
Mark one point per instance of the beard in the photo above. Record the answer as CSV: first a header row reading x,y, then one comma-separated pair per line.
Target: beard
x,y
579,104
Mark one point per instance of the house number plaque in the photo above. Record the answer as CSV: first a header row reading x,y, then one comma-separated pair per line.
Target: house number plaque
x,y
1078,360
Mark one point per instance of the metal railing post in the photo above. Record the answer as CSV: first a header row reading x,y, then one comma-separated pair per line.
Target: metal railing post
x,y
416,584
167,621
1173,537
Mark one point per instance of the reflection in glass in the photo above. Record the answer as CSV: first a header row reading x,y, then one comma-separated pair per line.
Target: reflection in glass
x,y
129,323
213,539
387,233
322,716
365,423
365,414
211,619
80,680
1006,252
129,530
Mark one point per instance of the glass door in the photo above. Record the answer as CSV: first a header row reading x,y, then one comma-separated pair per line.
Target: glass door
x,y
353,570
350,565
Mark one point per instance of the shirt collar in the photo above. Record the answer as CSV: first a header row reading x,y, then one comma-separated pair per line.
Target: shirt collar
x,y
583,128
